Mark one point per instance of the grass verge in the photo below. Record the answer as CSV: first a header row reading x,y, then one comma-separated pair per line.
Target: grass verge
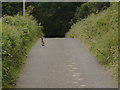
x,y
19,34
100,33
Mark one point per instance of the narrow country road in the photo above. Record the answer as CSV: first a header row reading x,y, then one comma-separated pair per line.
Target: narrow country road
x,y
63,63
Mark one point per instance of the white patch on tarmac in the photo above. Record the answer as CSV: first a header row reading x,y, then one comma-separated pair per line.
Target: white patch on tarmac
x,y
76,74
75,68
73,63
83,85
80,79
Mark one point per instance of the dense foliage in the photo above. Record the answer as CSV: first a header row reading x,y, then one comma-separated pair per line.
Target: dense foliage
x,y
11,8
19,32
100,33
0,55
90,7
55,17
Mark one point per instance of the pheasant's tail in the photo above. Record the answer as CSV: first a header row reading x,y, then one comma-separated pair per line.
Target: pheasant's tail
x,y
42,43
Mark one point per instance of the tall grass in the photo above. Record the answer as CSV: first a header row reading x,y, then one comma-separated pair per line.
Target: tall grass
x,y
100,33
19,33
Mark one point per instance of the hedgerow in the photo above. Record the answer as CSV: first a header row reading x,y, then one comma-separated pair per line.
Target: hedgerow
x,y
0,55
100,33
90,7
18,35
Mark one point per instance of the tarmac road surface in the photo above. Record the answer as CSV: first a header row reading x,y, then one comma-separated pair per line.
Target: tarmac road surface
x,y
63,63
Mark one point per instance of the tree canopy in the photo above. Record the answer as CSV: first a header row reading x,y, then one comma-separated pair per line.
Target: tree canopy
x,y
56,18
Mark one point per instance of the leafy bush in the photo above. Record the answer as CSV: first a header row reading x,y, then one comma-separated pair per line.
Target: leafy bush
x,y
19,32
90,7
100,33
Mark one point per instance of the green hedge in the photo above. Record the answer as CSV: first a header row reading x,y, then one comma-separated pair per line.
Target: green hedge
x,y
90,7
0,55
19,32
100,33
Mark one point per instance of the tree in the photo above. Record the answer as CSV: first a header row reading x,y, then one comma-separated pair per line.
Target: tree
x,y
55,17
11,8
90,7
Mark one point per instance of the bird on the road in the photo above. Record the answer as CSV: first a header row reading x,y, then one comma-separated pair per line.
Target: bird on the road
x,y
42,42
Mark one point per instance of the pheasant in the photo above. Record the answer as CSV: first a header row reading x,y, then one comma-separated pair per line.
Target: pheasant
x,y
42,42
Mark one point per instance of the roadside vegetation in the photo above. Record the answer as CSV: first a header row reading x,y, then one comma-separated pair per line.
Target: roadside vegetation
x,y
0,55
53,16
86,9
99,31
19,34
95,24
